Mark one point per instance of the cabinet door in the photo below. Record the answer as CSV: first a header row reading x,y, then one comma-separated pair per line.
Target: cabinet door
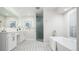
x,y
3,42
11,42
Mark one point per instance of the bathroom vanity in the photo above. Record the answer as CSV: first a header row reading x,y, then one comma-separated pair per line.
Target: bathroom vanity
x,y
62,44
8,41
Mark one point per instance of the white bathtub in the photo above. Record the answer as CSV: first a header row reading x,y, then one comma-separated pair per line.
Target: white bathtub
x,y
65,42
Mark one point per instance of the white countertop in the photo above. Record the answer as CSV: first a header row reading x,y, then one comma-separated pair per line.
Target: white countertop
x,y
66,42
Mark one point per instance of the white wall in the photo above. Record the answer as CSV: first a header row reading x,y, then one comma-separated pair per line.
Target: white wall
x,y
30,34
66,24
52,21
2,19
2,24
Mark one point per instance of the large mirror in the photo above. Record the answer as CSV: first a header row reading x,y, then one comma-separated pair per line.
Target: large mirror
x,y
11,24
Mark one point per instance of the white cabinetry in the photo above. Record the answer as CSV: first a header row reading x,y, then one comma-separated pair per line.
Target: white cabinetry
x,y
8,41
12,41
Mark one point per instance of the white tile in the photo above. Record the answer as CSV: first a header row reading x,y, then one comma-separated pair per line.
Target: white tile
x,y
31,45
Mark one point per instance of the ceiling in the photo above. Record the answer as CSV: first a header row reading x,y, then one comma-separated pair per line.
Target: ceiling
x,y
25,11
5,12
62,10
28,11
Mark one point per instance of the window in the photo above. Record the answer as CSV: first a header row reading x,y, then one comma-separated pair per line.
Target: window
x,y
72,23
